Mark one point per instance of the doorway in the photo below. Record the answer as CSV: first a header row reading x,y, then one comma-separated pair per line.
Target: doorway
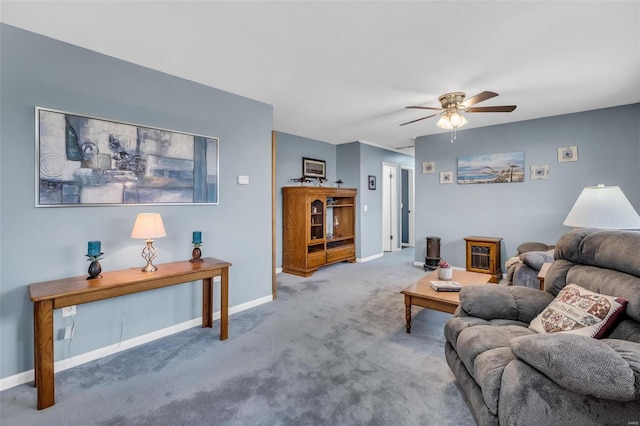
x,y
406,207
390,240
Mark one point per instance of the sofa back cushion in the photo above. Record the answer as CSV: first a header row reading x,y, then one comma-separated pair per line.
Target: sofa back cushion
x,y
606,262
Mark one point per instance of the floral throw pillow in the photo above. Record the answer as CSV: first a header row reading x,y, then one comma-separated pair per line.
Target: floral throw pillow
x,y
579,311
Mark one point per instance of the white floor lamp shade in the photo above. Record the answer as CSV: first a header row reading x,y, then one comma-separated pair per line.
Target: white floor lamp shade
x,y
603,207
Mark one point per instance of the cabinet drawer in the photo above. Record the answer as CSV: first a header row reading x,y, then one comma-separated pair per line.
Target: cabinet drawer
x,y
315,259
340,253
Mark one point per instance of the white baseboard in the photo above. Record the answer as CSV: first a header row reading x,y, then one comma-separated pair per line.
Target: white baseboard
x,y
64,364
278,270
369,258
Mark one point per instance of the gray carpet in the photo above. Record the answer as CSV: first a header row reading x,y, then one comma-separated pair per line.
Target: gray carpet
x,y
331,350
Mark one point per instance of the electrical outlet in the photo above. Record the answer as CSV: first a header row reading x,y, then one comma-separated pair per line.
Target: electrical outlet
x,y
68,311
68,332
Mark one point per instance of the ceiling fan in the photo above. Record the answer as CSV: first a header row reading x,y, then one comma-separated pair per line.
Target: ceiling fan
x,y
453,105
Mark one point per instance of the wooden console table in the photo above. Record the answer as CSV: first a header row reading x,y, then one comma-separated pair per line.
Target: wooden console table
x,y
50,295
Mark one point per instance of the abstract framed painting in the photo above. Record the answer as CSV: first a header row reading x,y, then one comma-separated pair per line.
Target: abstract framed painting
x,y
89,161
491,168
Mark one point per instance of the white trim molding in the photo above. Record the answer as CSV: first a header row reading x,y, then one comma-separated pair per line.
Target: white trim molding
x,y
74,361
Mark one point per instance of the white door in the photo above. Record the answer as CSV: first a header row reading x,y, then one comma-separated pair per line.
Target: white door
x,y
390,240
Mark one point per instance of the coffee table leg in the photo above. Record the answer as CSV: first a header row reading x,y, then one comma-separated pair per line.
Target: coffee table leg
x,y
407,313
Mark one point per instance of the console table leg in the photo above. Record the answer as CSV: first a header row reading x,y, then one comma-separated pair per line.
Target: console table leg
x,y
43,348
407,314
207,302
224,304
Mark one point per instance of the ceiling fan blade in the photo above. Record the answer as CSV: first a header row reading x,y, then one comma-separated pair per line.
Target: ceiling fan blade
x,y
413,121
483,96
504,108
421,107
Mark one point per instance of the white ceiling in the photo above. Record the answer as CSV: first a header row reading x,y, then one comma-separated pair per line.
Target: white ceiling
x,y
344,71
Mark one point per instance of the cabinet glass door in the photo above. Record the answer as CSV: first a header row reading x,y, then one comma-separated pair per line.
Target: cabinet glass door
x,y
317,220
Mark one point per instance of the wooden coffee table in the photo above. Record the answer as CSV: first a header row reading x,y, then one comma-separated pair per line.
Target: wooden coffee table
x,y
422,294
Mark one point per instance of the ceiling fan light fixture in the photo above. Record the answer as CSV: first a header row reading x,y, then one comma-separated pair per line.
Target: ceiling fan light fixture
x,y
453,104
455,119
444,123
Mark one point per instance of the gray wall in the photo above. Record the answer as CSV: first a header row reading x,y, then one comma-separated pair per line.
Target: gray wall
x,y
39,244
608,142
371,159
290,149
352,163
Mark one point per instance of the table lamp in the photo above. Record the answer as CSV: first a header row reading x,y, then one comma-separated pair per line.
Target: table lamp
x,y
147,227
602,207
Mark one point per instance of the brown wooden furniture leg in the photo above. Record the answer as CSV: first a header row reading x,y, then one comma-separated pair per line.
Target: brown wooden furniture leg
x,y
224,304
407,313
43,361
207,302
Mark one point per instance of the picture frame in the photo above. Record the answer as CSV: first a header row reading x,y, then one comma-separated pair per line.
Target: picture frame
x,y
504,167
83,160
313,168
372,182
567,154
446,177
539,172
428,167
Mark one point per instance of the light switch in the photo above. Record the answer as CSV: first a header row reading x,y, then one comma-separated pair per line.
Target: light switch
x,y
366,207
243,180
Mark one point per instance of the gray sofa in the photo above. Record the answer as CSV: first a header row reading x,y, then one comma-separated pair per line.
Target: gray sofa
x,y
511,375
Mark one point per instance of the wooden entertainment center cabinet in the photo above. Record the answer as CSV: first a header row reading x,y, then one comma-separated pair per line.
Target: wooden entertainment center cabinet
x,y
318,227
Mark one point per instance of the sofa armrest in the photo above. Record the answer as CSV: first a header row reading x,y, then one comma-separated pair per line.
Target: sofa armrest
x,y
608,368
490,301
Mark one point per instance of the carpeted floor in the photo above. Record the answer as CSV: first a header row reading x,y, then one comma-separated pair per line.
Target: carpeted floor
x,y
331,350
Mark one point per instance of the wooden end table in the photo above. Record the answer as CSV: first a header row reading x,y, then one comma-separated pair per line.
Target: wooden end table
x,y
422,294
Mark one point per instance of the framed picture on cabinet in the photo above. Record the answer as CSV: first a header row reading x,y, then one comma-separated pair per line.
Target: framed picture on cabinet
x,y
313,168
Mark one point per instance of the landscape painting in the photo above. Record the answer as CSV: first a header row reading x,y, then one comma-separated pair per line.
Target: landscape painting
x,y
86,161
491,168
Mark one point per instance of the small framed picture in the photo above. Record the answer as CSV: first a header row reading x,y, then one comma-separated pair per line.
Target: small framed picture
x,y
428,167
372,182
540,172
446,177
567,153
313,168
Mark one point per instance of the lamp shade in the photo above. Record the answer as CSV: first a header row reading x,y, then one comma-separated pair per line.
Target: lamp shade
x,y
603,207
148,226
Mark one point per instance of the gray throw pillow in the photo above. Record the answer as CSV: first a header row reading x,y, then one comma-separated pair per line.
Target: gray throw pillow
x,y
535,259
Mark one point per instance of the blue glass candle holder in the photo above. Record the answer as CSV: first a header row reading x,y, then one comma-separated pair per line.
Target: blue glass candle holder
x,y
94,266
197,242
